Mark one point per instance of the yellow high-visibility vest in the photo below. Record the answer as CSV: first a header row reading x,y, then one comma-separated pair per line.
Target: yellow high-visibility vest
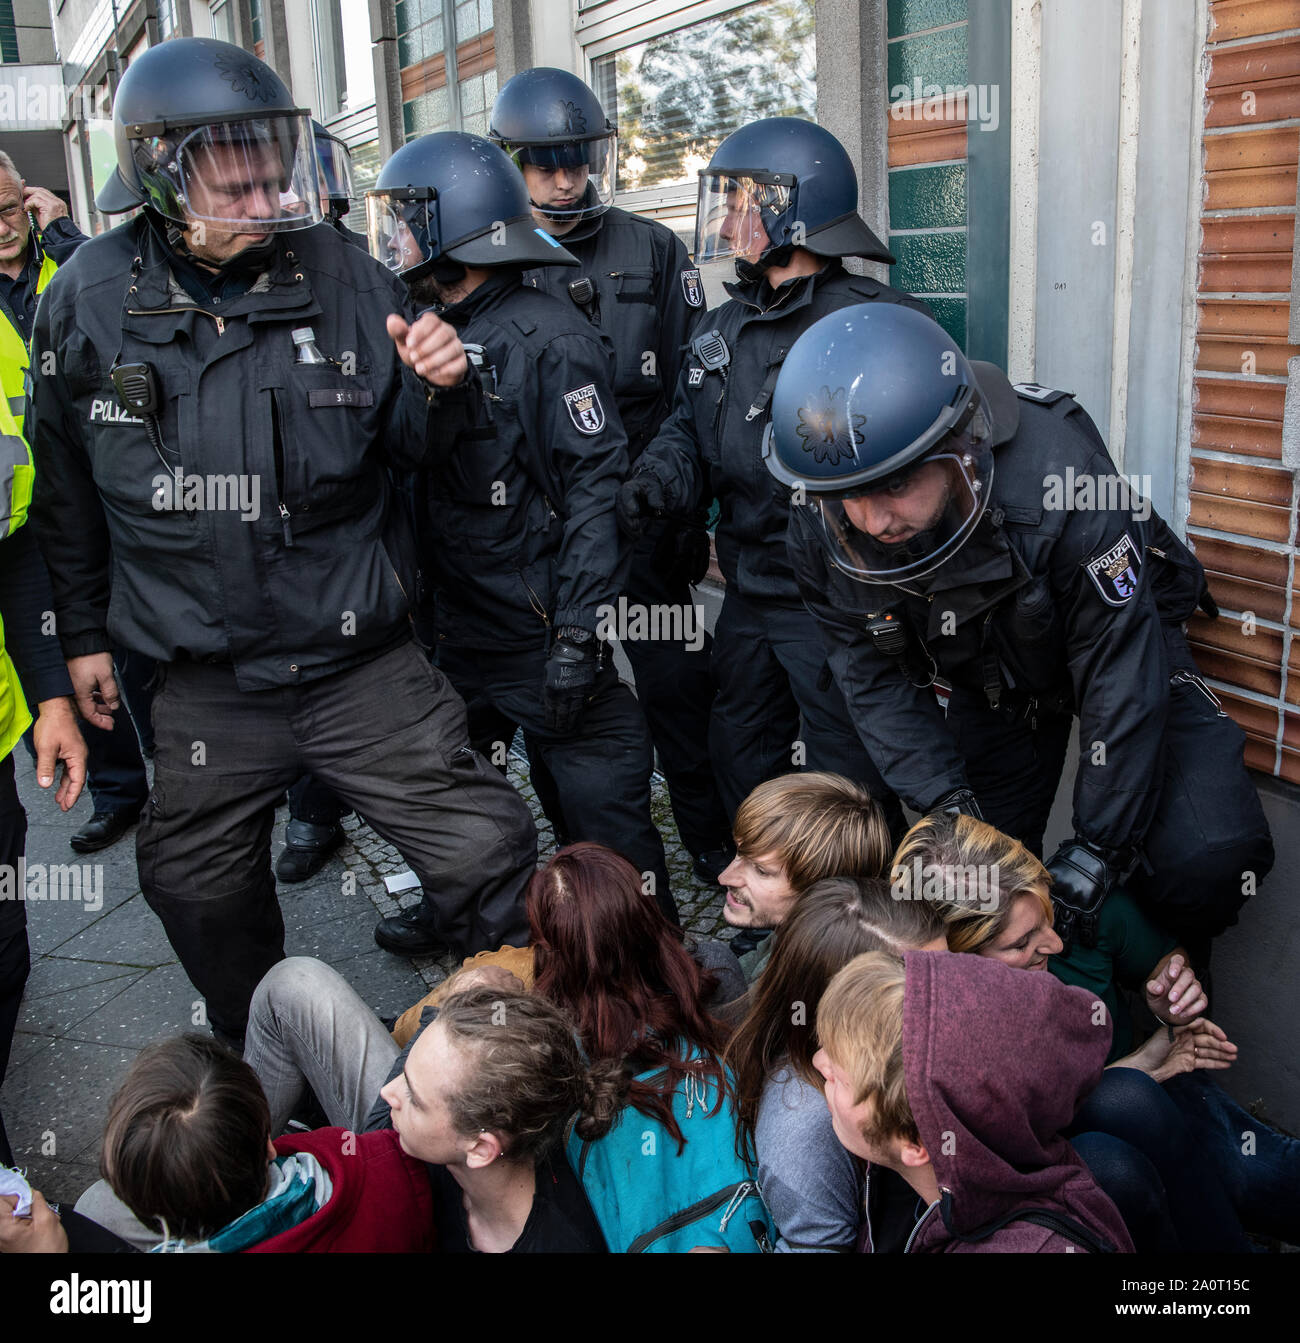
x,y
14,353
16,476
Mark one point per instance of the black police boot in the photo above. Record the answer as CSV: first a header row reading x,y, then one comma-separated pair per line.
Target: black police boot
x,y
711,864
413,932
104,828
307,848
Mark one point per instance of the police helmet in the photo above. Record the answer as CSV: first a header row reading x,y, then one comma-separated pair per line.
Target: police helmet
x,y
334,159
549,119
207,133
775,185
457,196
883,431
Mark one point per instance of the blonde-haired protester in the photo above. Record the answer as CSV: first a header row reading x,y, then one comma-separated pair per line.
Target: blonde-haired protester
x,y
1159,1097
908,1047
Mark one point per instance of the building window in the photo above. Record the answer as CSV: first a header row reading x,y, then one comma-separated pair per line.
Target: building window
x,y
331,66
676,95
8,33
448,60
166,19
259,41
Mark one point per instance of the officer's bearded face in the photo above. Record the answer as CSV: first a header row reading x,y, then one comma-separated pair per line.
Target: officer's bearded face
x,y
902,510
240,182
14,224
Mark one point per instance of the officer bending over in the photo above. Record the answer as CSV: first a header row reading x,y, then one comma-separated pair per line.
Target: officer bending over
x,y
779,197
522,539
637,285
935,541
212,429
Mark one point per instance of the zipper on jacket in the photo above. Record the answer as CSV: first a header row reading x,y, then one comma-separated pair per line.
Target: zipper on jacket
x,y
925,1217
696,1212
277,448
162,312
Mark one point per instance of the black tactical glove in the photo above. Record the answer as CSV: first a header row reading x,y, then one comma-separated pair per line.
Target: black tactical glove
x,y
570,675
1081,881
639,499
681,554
958,802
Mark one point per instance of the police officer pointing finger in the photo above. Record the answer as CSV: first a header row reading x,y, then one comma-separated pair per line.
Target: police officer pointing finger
x,y
228,380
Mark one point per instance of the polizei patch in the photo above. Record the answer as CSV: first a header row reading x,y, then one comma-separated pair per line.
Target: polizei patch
x,y
585,410
1115,573
692,288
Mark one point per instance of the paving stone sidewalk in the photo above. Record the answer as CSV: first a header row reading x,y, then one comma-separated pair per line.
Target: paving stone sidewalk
x,y
105,981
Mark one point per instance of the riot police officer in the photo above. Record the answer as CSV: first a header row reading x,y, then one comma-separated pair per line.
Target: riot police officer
x,y
638,286
522,543
957,527
227,383
780,198
312,832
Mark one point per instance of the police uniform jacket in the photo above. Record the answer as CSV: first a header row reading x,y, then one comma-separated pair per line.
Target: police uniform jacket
x,y
294,587
711,443
647,298
521,531
1055,603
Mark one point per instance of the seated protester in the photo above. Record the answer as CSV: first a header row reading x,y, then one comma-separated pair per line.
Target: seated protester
x,y
790,832
483,1094
1158,1098
968,1104
189,1165
605,952
811,1184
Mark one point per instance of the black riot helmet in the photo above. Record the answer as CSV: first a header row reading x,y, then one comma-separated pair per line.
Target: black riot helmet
x,y
550,120
884,431
453,197
334,160
775,185
206,133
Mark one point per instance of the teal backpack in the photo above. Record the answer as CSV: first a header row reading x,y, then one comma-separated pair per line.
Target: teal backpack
x,y
649,1200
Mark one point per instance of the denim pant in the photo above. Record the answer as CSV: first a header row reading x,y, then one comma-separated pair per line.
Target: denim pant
x,y
1130,1106
1257,1166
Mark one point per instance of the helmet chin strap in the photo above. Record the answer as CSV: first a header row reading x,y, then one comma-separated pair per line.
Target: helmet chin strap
x,y
750,271
251,260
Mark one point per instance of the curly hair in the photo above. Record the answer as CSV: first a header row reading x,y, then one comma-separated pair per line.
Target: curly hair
x,y
527,1076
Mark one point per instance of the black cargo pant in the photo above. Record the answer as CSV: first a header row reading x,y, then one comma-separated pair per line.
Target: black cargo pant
x,y
778,709
674,686
601,771
390,738
14,957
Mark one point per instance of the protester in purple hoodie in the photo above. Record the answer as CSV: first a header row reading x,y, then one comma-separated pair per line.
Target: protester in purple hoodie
x,y
961,1074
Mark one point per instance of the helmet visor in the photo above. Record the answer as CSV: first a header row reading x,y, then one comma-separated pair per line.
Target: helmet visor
x,y
256,175
569,182
402,227
915,521
335,162
738,218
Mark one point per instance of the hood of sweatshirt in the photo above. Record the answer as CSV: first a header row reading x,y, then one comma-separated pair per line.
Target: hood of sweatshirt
x,y
996,1062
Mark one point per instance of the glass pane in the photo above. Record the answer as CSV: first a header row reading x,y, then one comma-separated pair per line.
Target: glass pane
x,y
412,13
223,22
426,113
476,124
467,21
675,97
471,96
